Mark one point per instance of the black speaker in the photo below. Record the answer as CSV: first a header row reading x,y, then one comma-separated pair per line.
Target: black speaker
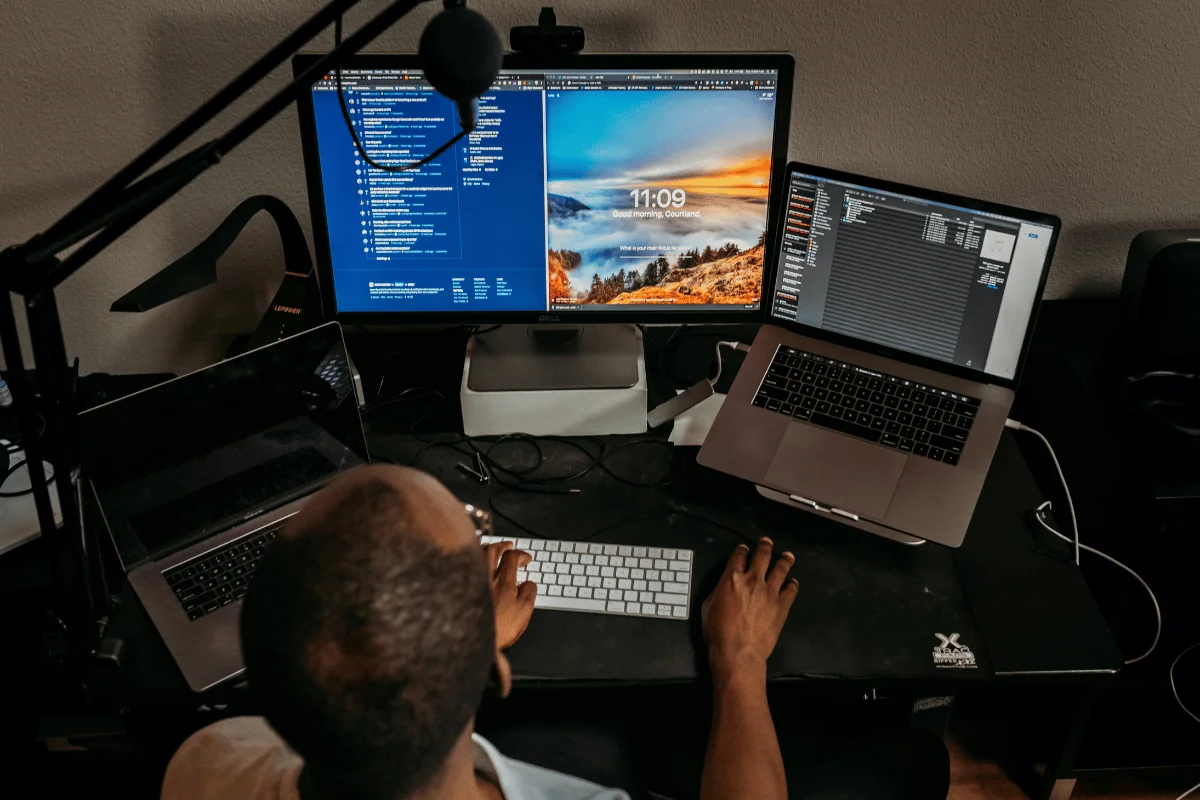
x,y
1160,299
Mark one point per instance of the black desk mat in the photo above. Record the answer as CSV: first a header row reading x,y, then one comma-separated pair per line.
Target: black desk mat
x,y
868,608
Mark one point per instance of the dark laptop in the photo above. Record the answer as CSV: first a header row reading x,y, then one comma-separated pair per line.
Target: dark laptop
x,y
900,320
194,478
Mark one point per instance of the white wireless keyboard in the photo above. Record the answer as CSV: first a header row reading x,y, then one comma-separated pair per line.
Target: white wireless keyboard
x,y
607,578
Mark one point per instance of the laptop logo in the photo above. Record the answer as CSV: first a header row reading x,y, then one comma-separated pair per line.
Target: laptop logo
x,y
952,654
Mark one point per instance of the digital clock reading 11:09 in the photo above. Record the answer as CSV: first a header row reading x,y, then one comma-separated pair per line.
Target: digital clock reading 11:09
x,y
644,198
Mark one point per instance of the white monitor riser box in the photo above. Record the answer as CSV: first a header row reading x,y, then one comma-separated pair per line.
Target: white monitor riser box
x,y
593,386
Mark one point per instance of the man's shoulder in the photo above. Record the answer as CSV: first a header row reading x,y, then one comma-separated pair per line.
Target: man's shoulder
x,y
521,781
240,756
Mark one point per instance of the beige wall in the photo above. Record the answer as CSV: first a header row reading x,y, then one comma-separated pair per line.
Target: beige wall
x,y
1083,108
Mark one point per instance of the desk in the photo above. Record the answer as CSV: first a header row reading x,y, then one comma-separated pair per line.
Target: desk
x,y
869,610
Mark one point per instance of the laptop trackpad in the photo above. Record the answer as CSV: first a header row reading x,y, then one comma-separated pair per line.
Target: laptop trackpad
x,y
836,470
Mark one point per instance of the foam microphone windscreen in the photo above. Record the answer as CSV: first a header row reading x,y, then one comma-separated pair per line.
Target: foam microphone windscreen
x,y
460,53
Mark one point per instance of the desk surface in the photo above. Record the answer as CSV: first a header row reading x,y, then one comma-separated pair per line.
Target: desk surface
x,y
868,609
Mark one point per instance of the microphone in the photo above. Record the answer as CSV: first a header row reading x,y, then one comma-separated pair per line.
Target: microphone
x,y
460,55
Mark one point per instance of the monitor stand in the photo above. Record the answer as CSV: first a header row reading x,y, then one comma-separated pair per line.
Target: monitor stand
x,y
555,380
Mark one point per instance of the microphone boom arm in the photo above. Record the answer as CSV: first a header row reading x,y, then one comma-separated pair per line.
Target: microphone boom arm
x,y
34,270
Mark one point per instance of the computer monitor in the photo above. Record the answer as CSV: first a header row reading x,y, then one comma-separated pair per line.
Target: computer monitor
x,y
912,273
597,188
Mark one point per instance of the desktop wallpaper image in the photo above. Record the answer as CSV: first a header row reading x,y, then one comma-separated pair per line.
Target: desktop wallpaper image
x,y
657,197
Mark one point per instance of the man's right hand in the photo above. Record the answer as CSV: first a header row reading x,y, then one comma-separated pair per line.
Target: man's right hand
x,y
744,615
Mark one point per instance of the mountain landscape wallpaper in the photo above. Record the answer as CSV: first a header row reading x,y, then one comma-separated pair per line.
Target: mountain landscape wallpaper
x,y
705,153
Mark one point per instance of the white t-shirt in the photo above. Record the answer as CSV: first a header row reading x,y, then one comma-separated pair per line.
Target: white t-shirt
x,y
244,759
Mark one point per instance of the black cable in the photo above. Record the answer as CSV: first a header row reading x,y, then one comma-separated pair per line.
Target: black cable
x,y
407,394
337,40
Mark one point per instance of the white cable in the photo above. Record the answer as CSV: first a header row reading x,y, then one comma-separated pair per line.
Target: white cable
x,y
1174,691
1039,515
1189,791
745,348
1012,423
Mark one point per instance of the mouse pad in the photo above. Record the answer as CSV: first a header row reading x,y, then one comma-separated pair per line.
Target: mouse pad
x,y
836,470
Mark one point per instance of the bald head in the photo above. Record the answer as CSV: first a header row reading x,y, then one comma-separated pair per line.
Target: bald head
x,y
369,632
407,504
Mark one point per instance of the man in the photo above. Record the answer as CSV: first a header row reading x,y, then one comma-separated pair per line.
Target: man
x,y
372,630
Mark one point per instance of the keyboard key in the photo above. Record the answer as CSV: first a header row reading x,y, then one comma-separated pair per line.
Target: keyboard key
x,y
889,440
633,608
654,586
572,604
907,431
892,427
630,595
921,450
921,436
639,552
595,550
570,591
578,580
610,550
946,404
586,592
600,594
836,411
823,407
607,572
609,583
675,588
616,606
950,458
773,405
947,444
966,410
591,571
624,583
679,565
551,546
679,612
936,453
555,591
646,597
664,610
639,585
878,424
670,599
921,411
668,554
954,433
572,558
595,582
906,445
904,418
842,426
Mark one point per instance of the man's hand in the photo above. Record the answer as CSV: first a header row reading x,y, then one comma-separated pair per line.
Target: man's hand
x,y
514,604
744,615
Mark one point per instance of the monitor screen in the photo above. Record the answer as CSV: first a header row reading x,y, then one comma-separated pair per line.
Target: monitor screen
x,y
916,275
581,189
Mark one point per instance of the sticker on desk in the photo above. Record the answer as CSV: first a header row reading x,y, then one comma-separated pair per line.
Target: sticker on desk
x,y
952,654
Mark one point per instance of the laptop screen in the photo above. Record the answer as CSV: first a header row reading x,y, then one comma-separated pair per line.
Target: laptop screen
x,y
909,273
179,461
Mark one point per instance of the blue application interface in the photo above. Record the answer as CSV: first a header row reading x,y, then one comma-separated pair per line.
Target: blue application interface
x,y
577,189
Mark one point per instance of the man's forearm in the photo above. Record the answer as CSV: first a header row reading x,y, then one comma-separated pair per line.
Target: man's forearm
x,y
743,760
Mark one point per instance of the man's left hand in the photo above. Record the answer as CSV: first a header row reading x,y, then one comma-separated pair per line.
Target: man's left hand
x,y
514,604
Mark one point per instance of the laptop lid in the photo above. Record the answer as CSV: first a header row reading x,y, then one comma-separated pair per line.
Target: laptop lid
x,y
946,282
185,459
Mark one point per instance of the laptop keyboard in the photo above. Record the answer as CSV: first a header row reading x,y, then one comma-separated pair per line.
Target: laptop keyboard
x,y
218,577
885,409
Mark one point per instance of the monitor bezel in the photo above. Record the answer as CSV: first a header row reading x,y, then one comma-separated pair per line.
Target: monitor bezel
x,y
783,62
933,196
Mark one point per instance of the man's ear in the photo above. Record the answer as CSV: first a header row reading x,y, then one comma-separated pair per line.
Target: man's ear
x,y
503,674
